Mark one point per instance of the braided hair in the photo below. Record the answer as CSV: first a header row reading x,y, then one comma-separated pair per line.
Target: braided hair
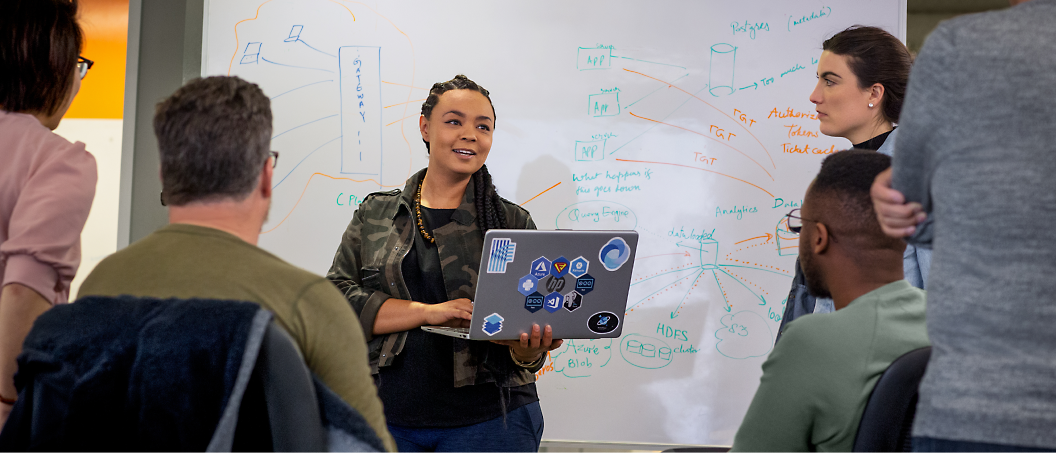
x,y
491,213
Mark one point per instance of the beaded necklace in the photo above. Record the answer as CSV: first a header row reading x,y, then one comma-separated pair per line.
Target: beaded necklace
x,y
418,213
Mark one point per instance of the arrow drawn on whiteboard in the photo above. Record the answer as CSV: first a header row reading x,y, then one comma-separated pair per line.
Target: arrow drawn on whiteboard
x,y
302,125
696,168
306,189
650,94
304,159
688,267
540,193
709,138
302,86
708,249
669,84
725,300
650,62
767,236
662,288
672,112
313,48
293,66
686,254
754,85
745,287
678,309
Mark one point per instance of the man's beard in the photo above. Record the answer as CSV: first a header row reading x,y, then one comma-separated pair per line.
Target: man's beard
x,y
812,274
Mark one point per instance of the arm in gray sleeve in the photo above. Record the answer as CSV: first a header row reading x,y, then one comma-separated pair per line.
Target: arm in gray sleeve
x,y
921,130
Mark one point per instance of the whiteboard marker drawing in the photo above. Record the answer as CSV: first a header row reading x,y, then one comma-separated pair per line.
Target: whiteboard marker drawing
x,y
251,54
582,358
593,58
721,70
603,104
360,110
588,151
704,253
744,334
645,352
787,242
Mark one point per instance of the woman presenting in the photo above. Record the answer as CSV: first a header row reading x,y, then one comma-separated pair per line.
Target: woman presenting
x,y
410,258
862,76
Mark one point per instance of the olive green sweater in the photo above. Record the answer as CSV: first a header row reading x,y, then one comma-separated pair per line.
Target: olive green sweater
x,y
187,261
818,378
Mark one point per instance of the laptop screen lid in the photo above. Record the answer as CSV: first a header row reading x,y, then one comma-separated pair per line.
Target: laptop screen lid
x,y
575,281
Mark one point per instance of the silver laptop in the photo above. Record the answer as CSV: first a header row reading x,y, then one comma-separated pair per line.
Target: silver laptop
x,y
575,281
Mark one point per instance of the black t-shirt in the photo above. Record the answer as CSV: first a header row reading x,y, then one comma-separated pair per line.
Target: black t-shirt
x,y
418,388
874,143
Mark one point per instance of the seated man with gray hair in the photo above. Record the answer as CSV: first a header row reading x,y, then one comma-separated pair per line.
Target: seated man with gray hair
x,y
214,136
818,378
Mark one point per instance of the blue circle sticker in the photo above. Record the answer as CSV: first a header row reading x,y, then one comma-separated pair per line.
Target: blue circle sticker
x,y
603,322
614,253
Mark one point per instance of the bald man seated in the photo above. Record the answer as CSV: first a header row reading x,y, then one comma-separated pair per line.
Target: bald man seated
x,y
818,378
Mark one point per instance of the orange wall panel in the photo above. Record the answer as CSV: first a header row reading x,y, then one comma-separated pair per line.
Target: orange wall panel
x,y
102,94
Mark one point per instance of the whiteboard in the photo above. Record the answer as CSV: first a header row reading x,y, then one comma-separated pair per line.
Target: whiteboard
x,y
687,121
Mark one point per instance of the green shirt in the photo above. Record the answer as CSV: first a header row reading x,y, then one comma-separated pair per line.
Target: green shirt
x,y
818,378
187,261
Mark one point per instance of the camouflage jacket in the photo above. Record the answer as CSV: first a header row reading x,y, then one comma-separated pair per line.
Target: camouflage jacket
x,y
367,271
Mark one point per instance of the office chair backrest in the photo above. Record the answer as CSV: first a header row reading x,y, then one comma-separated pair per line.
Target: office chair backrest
x,y
289,394
887,421
131,373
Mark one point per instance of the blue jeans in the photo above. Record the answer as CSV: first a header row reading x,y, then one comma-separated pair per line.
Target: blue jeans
x,y
522,431
932,444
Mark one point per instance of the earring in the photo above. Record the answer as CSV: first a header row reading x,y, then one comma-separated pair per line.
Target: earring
x,y
870,105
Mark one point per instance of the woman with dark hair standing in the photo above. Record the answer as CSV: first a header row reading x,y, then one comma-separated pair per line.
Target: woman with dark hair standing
x,y
46,183
862,76
410,258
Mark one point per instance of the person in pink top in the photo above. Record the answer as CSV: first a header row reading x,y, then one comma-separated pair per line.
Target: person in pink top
x,y
46,183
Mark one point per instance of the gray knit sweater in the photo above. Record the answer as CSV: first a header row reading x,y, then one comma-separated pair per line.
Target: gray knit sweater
x,y
977,146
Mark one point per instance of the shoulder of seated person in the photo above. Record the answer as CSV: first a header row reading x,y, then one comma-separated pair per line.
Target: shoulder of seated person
x,y
817,328
321,297
812,332
895,292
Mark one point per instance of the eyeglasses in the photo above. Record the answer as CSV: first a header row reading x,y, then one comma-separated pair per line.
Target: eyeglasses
x,y
795,222
83,65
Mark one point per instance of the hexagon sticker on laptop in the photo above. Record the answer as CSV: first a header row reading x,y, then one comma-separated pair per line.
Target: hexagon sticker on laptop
x,y
540,267
578,267
526,285
560,267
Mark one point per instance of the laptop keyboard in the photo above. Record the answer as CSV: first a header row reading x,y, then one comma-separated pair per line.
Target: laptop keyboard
x,y
464,330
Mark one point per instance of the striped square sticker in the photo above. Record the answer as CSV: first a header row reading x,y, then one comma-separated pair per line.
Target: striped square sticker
x,y
501,255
